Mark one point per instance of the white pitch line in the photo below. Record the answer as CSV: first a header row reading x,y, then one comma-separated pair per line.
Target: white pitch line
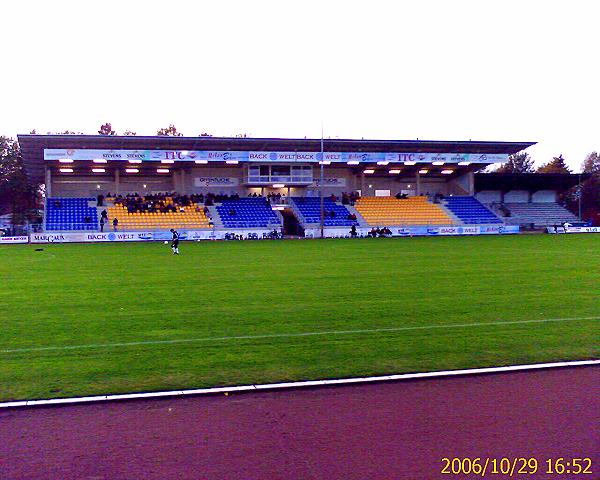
x,y
290,335
289,385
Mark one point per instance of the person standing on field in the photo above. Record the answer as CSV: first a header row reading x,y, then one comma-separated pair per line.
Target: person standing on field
x,y
175,243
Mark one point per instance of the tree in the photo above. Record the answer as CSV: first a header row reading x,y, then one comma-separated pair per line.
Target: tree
x,y
106,129
517,163
17,194
129,133
205,134
170,131
591,164
556,165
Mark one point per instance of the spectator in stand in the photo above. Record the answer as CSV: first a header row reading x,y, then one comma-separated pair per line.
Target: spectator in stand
x,y
333,198
101,224
353,233
115,223
100,200
332,214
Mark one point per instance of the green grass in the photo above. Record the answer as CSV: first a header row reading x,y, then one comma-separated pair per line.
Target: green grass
x,y
119,293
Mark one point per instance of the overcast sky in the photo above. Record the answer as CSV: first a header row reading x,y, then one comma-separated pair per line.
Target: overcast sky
x,y
520,70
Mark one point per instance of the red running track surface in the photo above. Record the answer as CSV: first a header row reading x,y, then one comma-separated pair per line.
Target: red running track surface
x,y
378,431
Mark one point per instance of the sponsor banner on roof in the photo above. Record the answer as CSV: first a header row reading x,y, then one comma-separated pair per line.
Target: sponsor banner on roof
x,y
267,157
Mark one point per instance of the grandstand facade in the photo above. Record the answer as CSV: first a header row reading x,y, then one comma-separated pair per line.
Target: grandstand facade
x,y
208,184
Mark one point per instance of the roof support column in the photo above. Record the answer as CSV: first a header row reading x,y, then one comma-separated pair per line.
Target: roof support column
x,y
182,181
362,184
471,180
48,183
117,182
418,175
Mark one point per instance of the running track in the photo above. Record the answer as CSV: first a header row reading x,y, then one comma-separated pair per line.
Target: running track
x,y
379,431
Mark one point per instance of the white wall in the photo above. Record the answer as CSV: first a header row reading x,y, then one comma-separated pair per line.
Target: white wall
x,y
516,196
489,196
544,196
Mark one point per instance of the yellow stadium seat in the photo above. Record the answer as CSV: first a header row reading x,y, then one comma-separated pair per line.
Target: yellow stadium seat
x,y
388,211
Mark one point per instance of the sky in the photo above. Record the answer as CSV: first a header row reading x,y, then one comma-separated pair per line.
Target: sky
x,y
523,70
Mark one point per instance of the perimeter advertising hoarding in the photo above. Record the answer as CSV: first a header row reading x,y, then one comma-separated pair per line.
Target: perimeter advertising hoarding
x,y
210,234
420,231
267,157
142,236
573,229
7,240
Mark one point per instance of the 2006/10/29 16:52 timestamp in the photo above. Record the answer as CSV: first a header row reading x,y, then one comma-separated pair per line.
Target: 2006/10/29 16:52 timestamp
x,y
517,466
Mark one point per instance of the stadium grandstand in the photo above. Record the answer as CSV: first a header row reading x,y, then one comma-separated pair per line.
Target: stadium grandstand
x,y
103,184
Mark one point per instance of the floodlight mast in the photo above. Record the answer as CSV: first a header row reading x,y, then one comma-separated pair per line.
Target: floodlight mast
x,y
321,187
579,192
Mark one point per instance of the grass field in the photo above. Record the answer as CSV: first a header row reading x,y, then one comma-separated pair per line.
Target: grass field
x,y
389,303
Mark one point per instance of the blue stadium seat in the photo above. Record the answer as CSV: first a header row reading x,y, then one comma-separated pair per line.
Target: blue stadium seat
x,y
310,208
70,213
470,211
247,213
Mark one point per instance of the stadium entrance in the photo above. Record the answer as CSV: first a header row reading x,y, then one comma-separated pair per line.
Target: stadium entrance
x,y
291,225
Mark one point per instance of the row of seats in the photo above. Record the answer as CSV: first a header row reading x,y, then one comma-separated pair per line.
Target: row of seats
x,y
81,213
189,218
310,208
71,214
539,214
470,211
382,211
249,212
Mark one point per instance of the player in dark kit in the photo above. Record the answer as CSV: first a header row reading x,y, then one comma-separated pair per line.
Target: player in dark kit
x,y
175,243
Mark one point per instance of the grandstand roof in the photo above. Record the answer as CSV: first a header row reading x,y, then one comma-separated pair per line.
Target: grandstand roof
x,y
33,146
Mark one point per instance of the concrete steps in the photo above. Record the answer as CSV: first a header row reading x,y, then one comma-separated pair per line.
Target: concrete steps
x,y
215,217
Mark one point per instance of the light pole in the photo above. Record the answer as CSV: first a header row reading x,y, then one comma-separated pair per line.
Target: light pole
x,y
321,188
579,196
